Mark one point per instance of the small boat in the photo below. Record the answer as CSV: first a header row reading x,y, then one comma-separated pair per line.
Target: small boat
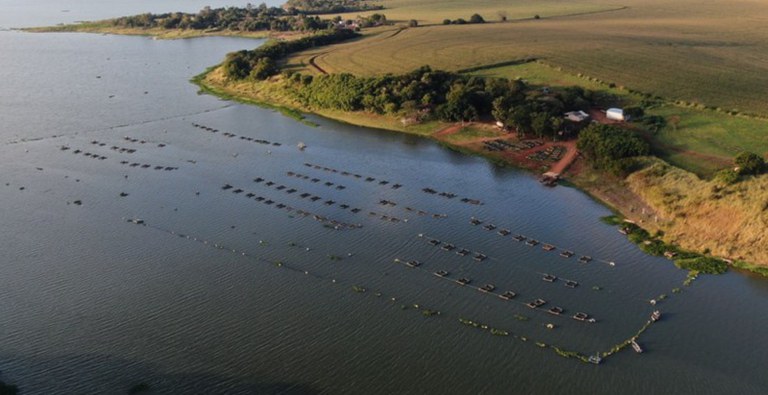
x,y
487,288
548,247
580,316
463,281
555,310
571,284
656,315
441,273
549,278
508,295
636,347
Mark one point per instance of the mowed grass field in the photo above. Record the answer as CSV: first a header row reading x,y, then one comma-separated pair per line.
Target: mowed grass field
x,y
428,12
713,54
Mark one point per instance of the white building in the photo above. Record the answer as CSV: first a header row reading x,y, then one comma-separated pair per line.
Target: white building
x,y
576,116
615,114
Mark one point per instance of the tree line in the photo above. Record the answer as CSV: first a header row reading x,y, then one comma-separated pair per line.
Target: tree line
x,y
244,19
329,6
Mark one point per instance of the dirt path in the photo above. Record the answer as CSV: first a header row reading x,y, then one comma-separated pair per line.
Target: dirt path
x,y
571,154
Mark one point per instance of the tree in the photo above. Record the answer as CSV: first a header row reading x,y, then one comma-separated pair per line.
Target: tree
x,y
476,18
263,69
413,23
446,21
750,163
609,147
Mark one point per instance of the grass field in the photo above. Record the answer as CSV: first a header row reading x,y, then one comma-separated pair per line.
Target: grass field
x,y
714,53
434,11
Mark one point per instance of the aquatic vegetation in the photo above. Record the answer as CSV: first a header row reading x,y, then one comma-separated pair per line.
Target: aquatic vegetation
x,y
521,317
358,289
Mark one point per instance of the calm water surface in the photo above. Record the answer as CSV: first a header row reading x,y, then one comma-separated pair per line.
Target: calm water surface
x,y
220,293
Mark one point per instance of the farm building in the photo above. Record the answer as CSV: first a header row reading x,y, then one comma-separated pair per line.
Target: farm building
x,y
616,114
576,116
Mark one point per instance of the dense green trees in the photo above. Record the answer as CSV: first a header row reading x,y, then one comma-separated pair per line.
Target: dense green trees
x,y
750,163
247,19
610,147
329,6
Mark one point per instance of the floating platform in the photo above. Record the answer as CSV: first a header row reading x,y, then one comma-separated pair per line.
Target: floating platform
x,y
566,254
508,295
585,259
463,281
536,303
548,247
571,284
549,278
532,242
555,310
441,273
580,316
487,288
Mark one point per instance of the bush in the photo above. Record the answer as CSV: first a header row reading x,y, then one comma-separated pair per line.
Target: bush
x,y
413,23
727,177
476,18
750,163
703,264
446,21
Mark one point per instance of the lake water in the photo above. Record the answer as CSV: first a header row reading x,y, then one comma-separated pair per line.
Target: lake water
x,y
222,293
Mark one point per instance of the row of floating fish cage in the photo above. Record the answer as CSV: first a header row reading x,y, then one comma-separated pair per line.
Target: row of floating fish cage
x,y
490,288
349,174
232,135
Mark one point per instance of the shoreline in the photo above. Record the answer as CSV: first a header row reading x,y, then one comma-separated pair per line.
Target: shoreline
x,y
609,191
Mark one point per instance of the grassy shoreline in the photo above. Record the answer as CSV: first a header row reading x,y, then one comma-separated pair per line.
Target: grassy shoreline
x,y
104,27
614,193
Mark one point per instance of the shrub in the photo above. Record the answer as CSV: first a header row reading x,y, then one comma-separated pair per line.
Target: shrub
x,y
750,163
476,18
703,264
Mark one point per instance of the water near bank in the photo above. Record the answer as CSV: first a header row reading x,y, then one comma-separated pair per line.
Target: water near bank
x,y
95,304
